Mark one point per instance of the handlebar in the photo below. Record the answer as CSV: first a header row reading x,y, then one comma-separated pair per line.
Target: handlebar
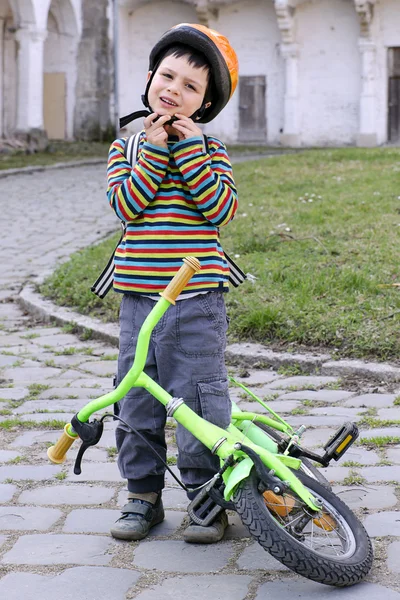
x,y
58,453
91,435
178,283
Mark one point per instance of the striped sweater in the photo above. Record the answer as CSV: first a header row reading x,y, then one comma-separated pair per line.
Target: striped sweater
x,y
173,201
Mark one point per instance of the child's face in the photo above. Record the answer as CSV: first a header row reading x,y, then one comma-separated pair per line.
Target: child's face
x,y
177,87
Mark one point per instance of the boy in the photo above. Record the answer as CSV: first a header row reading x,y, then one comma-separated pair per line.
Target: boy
x,y
173,201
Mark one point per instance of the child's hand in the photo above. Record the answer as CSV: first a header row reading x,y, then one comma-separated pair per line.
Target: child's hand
x,y
186,127
155,131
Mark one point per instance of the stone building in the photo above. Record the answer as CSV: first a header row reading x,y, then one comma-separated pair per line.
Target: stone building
x,y
312,72
56,68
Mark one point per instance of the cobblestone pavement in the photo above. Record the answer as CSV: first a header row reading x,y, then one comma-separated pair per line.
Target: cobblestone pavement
x,y
54,540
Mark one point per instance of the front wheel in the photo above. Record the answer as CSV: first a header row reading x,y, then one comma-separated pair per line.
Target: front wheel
x,y
331,547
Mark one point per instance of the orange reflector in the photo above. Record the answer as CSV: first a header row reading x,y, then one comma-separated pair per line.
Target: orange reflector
x,y
325,522
281,505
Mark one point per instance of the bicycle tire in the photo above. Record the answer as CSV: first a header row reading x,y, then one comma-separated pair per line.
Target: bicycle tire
x,y
284,544
306,465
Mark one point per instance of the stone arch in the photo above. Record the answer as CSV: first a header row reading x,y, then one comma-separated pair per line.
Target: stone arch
x,y
59,67
23,11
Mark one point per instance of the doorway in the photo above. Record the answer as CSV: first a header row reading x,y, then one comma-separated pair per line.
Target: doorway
x,y
394,96
252,111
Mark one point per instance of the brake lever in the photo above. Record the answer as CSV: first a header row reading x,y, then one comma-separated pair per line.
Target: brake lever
x,y
90,434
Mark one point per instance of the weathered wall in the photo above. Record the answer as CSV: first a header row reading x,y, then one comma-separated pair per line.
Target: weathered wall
x,y
94,86
329,72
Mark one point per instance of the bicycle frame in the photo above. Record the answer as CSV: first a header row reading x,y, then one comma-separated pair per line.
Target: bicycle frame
x,y
223,442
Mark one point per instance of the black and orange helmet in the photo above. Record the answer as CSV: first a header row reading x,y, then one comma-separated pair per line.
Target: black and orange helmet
x,y
218,52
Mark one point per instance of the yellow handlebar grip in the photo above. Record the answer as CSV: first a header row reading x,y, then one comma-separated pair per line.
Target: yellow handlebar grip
x,y
58,453
178,283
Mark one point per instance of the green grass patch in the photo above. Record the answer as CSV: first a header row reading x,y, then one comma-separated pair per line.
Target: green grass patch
x,y
319,230
48,424
56,152
379,441
354,478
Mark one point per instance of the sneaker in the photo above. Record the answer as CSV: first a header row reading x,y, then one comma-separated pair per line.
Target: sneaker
x,y
196,534
137,518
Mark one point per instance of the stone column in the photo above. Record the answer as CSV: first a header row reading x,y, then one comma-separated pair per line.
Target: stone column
x,y
367,134
1,76
285,14
290,135
30,80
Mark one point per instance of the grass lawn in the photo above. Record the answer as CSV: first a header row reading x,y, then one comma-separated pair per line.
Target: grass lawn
x,y
320,232
56,152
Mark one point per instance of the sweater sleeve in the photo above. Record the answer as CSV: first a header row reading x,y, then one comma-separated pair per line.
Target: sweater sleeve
x,y
130,190
209,178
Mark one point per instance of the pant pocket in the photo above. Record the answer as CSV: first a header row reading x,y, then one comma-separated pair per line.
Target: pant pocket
x,y
213,404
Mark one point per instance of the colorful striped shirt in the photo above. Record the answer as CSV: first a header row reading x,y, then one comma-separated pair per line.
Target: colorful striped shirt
x,y
173,202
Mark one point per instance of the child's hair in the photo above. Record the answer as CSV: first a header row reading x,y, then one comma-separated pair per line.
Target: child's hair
x,y
194,58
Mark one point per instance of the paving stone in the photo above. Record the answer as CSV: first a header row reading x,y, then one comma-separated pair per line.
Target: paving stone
x,y
383,523
178,556
235,530
371,400
14,393
314,438
85,583
299,588
359,455
103,368
380,432
336,474
62,405
217,587
6,455
372,497
377,474
31,374
6,361
277,405
393,560
97,472
173,520
43,417
69,393
389,413
57,339
346,414
328,396
312,421
57,495
29,518
59,549
86,520
303,381
172,498
7,491
29,438
393,454
255,557
257,377
20,472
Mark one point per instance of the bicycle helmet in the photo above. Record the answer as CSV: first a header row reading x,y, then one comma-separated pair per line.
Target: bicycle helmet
x,y
219,53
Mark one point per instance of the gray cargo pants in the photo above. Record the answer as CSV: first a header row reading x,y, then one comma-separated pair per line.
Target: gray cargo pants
x,y
186,357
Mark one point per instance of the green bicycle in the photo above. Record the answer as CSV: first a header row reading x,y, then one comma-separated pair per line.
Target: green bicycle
x,y
265,474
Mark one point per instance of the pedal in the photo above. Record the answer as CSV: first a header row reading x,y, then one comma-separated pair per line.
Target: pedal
x,y
340,442
203,510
